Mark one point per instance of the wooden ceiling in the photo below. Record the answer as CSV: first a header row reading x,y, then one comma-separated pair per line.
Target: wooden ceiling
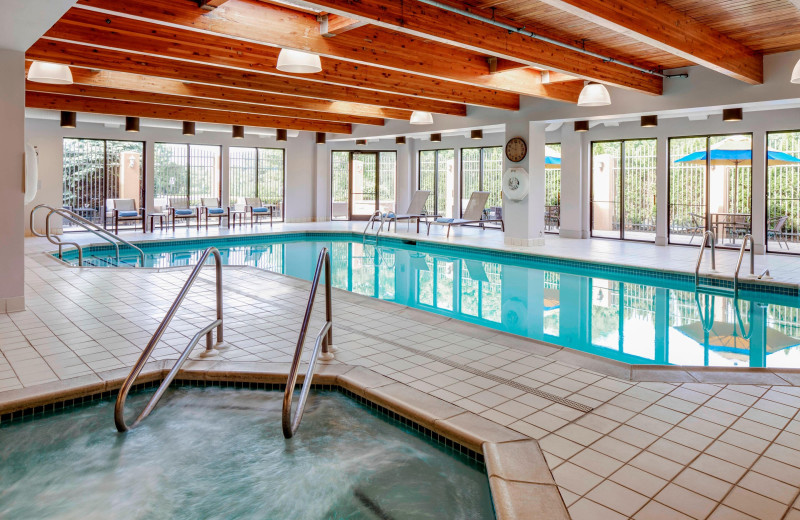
x,y
172,59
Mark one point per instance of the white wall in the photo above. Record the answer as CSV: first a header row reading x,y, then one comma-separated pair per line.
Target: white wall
x,y
47,136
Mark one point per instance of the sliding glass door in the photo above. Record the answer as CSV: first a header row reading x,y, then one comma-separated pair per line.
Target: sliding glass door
x,y
552,188
710,188
362,183
482,170
95,171
783,192
437,175
624,189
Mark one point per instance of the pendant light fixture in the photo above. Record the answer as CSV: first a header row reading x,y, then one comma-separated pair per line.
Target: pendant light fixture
x,y
796,72
649,121
238,132
594,95
281,134
400,139
476,134
581,126
53,73
730,115
131,124
189,128
298,62
419,117
321,138
69,119
436,138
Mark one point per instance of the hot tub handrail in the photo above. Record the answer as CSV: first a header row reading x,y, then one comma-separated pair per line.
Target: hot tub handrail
x,y
119,407
324,342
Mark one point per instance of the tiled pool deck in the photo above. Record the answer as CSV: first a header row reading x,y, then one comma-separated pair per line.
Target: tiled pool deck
x,y
656,444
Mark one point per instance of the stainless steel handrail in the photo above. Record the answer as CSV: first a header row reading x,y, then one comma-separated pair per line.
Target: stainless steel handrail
x,y
713,236
324,341
371,222
89,226
119,407
747,238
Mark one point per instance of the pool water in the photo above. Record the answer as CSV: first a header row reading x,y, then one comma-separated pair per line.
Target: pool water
x,y
216,453
634,317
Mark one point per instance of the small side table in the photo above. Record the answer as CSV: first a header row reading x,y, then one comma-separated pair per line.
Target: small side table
x,y
161,218
232,214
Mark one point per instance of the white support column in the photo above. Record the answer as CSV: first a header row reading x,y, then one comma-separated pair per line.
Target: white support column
x,y
573,204
225,192
662,189
404,179
524,219
758,191
149,174
12,149
323,183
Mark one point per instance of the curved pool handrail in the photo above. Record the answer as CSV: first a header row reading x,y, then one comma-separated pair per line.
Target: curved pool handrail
x,y
323,342
119,407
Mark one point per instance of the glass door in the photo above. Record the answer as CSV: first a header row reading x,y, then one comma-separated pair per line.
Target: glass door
x,y
437,175
361,183
606,188
783,192
363,177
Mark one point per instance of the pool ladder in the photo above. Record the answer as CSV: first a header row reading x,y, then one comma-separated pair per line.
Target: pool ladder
x,y
371,224
79,221
207,331
748,239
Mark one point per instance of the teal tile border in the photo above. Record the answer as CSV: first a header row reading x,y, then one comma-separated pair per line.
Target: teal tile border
x,y
619,272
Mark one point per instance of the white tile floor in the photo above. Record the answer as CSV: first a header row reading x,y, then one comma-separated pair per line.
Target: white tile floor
x,y
646,450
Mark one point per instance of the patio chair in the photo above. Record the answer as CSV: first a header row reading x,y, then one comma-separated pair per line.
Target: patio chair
x,y
179,209
125,210
737,227
211,208
256,209
697,227
472,215
416,210
777,230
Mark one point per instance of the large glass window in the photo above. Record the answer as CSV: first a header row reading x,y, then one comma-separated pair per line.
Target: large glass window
x,y
187,171
783,192
710,188
482,170
257,173
624,189
552,188
96,171
361,183
437,175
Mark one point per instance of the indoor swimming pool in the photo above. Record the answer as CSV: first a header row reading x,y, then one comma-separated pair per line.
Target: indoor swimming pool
x,y
218,453
636,316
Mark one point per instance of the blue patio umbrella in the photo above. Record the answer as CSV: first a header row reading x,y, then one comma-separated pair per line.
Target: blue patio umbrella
x,y
552,159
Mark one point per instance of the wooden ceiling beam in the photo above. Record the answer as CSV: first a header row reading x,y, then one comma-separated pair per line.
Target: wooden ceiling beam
x,y
332,24
368,45
497,65
126,108
423,20
210,5
92,57
659,25
194,102
327,110
135,36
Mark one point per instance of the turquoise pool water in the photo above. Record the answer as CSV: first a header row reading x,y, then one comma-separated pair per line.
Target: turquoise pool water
x,y
213,453
635,316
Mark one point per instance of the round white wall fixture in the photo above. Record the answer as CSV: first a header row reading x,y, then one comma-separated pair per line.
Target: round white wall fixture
x,y
516,183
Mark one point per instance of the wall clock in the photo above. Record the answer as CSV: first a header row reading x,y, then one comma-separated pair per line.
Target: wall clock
x,y
516,149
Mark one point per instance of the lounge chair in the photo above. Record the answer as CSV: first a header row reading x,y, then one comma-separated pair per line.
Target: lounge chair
x,y
125,210
213,209
179,209
256,208
776,230
473,215
416,210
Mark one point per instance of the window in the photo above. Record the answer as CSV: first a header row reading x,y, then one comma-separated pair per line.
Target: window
x,y
624,189
482,170
437,175
97,170
258,173
362,183
709,188
552,188
187,171
783,192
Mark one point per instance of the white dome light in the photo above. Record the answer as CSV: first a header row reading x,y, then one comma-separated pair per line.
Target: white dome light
x,y
796,73
418,117
53,73
298,62
594,95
